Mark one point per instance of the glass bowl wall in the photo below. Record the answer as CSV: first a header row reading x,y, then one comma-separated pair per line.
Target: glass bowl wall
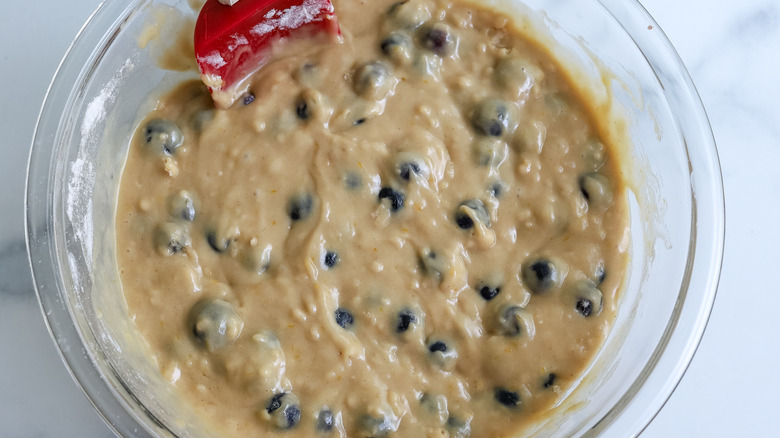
x,y
108,81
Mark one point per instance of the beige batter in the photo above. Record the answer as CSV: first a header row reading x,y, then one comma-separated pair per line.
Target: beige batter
x,y
409,233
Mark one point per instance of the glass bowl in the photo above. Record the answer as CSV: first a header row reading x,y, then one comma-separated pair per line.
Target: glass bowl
x,y
109,79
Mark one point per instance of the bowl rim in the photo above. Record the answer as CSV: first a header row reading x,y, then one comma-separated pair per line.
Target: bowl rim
x,y
39,223
685,329
656,382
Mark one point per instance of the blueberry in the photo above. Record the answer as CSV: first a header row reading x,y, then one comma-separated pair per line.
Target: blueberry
x,y
397,46
311,105
541,275
496,189
307,72
375,426
275,403
442,354
405,319
330,259
433,402
408,15
439,39
490,152
163,136
464,221
433,263
248,98
218,242
600,273
256,258
343,318
594,154
171,238
353,180
507,398
588,299
469,211
285,410
302,109
395,198
405,170
437,346
436,405
549,380
488,292
220,235
596,189
585,307
515,321
517,76
410,166
325,421
458,428
493,118
292,416
300,207
215,324
181,205
373,80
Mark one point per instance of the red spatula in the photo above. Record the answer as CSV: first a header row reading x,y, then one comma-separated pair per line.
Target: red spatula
x,y
232,42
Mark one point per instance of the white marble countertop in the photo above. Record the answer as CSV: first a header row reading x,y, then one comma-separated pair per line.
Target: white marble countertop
x,y
732,50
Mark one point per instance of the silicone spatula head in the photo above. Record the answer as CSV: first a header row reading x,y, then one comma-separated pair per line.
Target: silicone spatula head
x,y
232,42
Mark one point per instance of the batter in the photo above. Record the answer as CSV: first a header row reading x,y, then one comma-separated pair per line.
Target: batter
x,y
415,232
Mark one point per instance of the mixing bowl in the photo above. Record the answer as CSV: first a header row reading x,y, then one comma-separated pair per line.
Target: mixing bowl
x,y
110,78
